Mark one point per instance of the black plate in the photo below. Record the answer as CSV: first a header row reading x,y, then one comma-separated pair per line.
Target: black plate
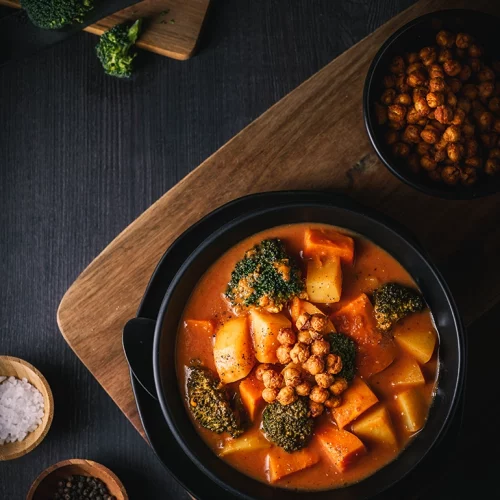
x,y
161,439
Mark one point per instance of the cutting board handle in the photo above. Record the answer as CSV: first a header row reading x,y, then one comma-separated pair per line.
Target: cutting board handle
x,y
137,338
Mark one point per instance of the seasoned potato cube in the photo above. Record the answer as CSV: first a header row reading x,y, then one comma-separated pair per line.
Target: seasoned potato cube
x,y
299,307
233,351
419,343
328,243
341,447
413,409
283,464
355,400
376,426
251,395
265,327
246,443
324,280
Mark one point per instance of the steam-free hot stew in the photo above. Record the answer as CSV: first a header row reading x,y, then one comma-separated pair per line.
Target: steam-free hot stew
x,y
307,357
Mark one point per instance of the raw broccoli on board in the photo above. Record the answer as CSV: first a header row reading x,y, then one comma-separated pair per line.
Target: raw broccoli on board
x,y
54,14
116,50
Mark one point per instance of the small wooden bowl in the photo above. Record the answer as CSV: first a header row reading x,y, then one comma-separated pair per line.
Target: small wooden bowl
x,y
10,366
45,484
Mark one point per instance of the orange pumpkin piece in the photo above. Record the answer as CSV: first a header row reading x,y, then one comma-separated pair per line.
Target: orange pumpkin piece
x,y
251,395
340,446
375,426
376,351
328,243
419,343
357,398
282,463
197,327
299,307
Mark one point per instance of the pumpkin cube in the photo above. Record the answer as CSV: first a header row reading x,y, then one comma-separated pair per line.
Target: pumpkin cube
x,y
328,243
282,463
419,343
413,409
324,280
251,395
265,327
200,328
375,426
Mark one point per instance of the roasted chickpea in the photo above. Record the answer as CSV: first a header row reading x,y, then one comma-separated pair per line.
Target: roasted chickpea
x,y
443,114
292,376
445,55
391,136
455,151
389,81
440,127
396,125
319,394
423,148
272,379
434,99
437,85
304,389
441,145
416,79
299,353
486,89
286,336
450,174
468,176
475,65
474,161
494,104
445,39
339,386
324,380
286,396
397,65
419,92
492,166
451,100
413,116
475,50
485,120
320,347
494,153
452,134
471,148
468,128
259,371
431,116
458,117
314,364
452,67
412,57
430,134
421,106
269,395
404,99
304,337
463,40
486,74
315,409
302,322
333,364
283,354
333,402
489,140
469,91
464,104
319,322
436,71
416,66
401,84
428,163
440,155
412,134
428,55
400,150
313,333
465,73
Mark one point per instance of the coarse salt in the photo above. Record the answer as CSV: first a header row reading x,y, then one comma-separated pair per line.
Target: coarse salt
x,y
21,409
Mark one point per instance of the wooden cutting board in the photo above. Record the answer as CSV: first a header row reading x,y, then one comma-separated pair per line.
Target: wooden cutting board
x,y
314,138
172,28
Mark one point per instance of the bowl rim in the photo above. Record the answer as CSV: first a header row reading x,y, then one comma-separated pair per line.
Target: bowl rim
x,y
457,194
366,212
49,407
75,461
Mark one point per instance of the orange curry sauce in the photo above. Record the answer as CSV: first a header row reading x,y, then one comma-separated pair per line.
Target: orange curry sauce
x,y
372,267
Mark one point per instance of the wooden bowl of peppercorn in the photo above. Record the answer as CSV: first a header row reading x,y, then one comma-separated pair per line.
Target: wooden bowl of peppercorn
x,y
77,478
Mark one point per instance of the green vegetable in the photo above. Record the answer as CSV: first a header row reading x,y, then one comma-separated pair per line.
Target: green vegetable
x,y
393,302
115,49
266,276
53,14
345,347
289,426
210,405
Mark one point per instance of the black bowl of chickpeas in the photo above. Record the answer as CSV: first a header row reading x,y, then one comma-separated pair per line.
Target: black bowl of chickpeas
x,y
431,104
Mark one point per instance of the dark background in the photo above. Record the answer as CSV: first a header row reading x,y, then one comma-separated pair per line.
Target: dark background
x,y
83,154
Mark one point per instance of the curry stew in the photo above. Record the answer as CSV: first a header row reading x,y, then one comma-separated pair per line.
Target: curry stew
x,y
307,357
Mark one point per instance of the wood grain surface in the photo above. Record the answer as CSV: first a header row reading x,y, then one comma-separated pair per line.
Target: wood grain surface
x,y
171,28
314,138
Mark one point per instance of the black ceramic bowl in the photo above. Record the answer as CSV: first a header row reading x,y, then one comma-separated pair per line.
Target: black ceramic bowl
x,y
264,211
412,37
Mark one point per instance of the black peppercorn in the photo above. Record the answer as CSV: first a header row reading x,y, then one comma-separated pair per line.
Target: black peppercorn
x,y
81,488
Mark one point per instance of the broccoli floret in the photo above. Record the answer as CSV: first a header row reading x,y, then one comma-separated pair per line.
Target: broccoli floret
x,y
345,347
115,49
210,405
392,302
289,426
266,276
54,14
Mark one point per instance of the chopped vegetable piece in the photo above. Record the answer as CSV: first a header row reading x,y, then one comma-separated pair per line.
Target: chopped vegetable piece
x,y
200,328
246,443
299,307
251,395
345,347
328,243
324,280
54,14
355,400
265,327
376,426
413,409
283,464
419,343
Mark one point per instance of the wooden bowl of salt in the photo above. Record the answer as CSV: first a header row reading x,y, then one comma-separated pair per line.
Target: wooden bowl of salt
x,y
20,369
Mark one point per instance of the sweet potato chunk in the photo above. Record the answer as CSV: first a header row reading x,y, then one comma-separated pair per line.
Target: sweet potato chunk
x,y
328,243
341,447
376,426
355,400
419,343
402,374
251,395
376,350
301,306
413,409
233,351
246,443
283,464
200,328
324,280
265,327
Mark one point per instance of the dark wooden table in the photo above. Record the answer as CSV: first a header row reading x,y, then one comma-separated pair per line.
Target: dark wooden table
x,y
82,155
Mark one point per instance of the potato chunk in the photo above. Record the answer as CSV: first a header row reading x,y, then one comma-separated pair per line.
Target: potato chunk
x,y
245,444
265,327
283,464
324,280
413,409
419,343
299,307
233,351
375,426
